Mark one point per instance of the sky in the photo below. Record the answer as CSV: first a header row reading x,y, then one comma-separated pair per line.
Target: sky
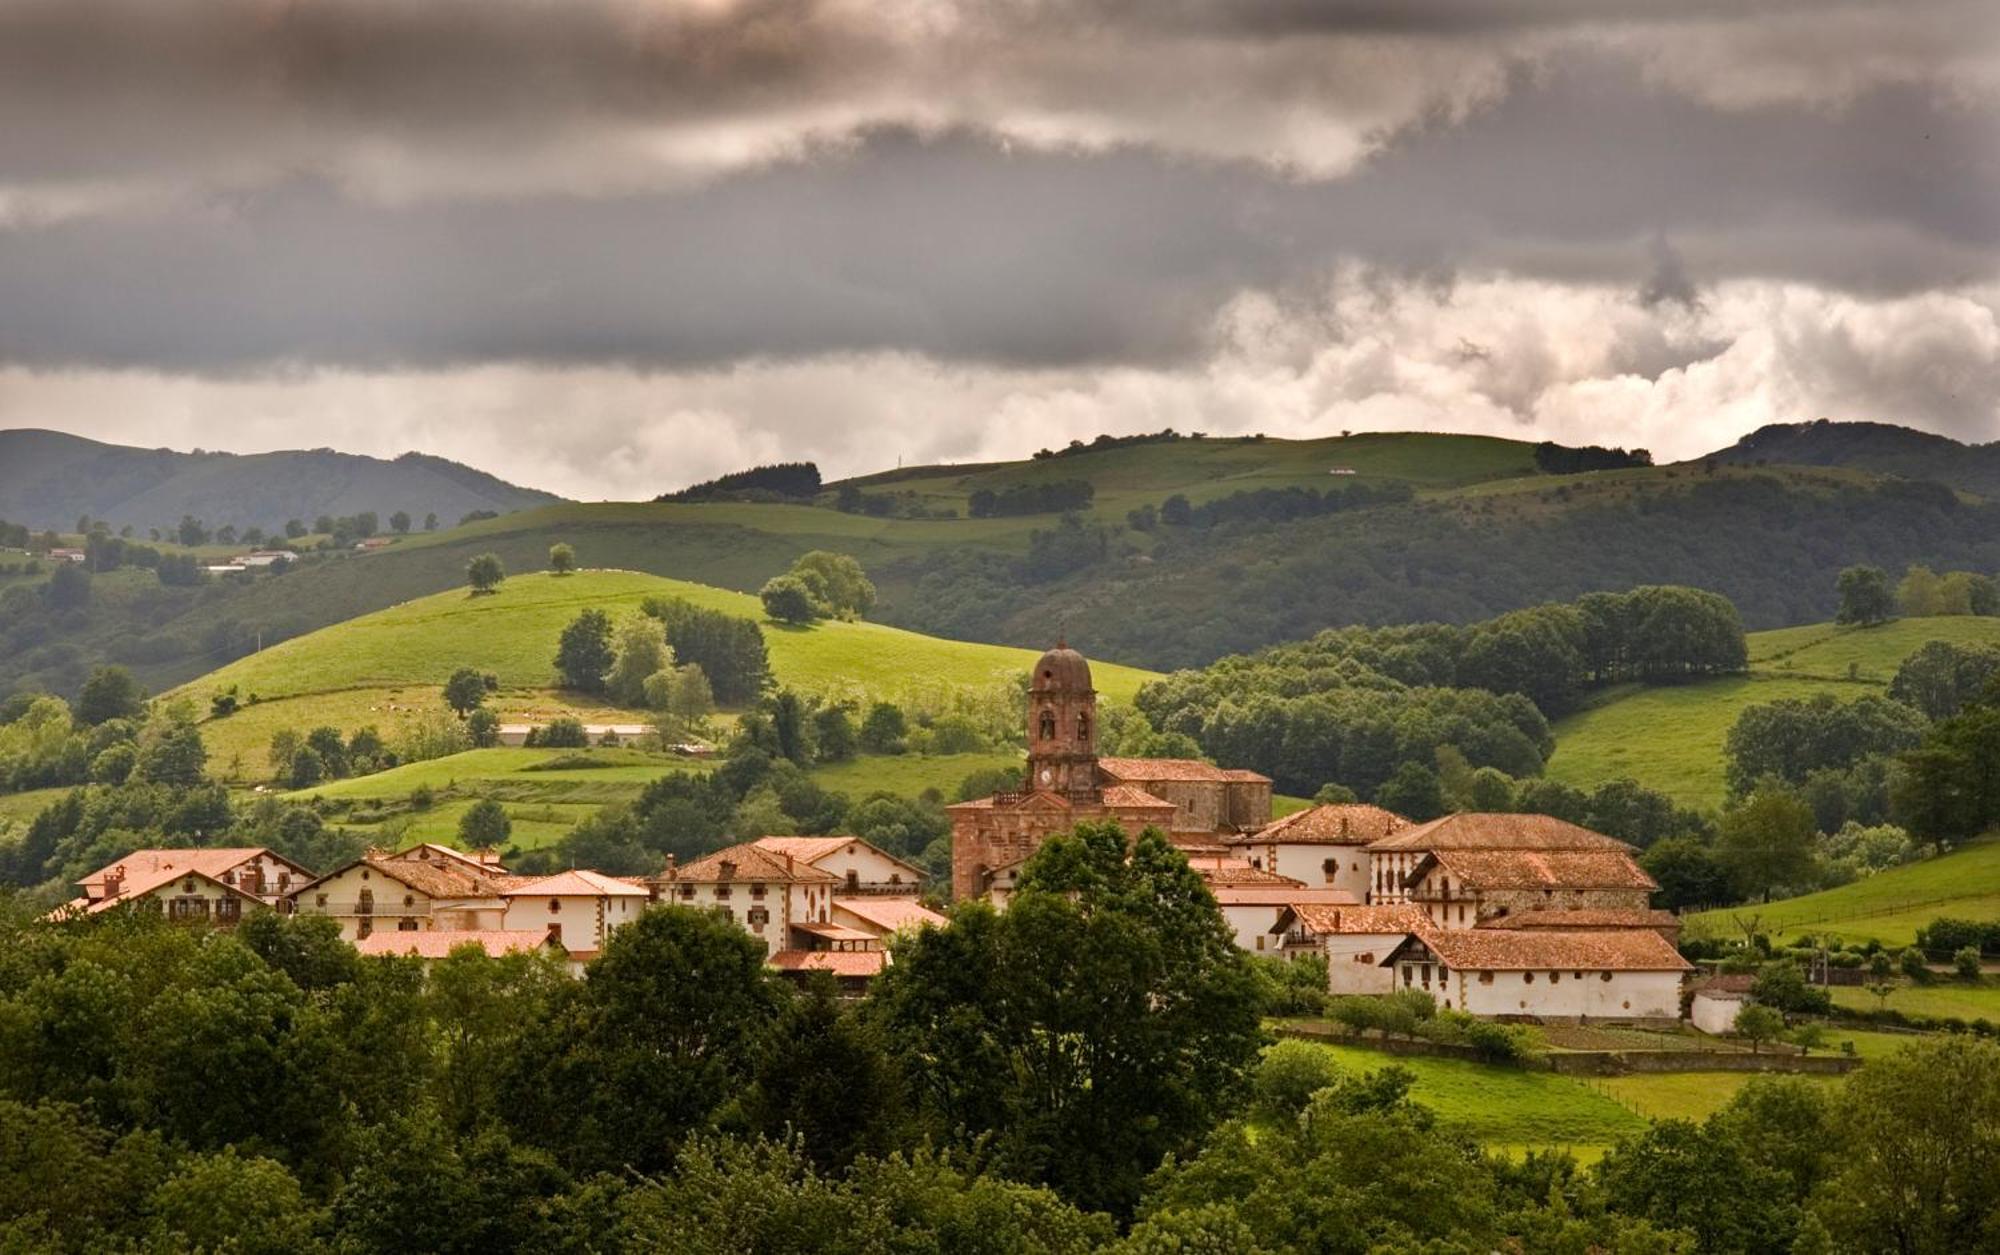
x,y
611,247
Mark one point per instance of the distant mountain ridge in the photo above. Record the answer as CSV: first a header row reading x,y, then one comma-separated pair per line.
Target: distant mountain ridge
x,y
1883,448
48,478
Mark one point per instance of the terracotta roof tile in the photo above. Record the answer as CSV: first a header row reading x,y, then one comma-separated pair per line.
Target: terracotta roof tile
x,y
1490,950
1339,919
1131,795
890,914
1342,824
1235,873
839,962
1537,869
1141,770
434,880
1280,895
577,883
1584,919
437,943
751,863
1497,831
211,862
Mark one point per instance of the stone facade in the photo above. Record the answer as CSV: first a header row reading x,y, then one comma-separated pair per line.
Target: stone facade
x,y
1067,784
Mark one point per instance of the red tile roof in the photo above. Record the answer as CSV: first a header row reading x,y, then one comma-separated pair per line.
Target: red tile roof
x,y
1584,919
437,943
1235,873
1334,920
1133,797
1491,831
1141,770
436,881
1537,869
210,862
839,962
576,883
1279,895
1491,950
891,914
1341,824
751,863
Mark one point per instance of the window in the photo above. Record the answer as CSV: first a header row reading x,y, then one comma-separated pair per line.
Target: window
x,y
406,925
319,899
1527,978
687,891
1048,725
364,930
229,910
1260,941
365,904
409,899
1082,725
1554,977
1604,976
853,881
1486,978
722,893
757,892
555,906
758,917
1330,867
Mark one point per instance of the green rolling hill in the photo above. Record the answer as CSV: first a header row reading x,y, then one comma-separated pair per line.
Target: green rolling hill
x,y
1889,906
1671,738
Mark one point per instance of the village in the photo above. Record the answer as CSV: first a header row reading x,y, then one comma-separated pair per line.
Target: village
x,y
1497,915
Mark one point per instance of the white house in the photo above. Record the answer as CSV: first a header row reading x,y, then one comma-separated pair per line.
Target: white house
x,y
215,885
1461,888
1353,939
380,893
1252,910
1393,859
883,917
580,909
1624,974
1322,846
767,893
862,868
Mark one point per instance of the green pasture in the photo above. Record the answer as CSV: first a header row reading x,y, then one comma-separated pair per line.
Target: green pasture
x,y
1942,998
1888,906
1682,1095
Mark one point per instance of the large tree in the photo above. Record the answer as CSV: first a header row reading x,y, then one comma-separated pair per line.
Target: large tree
x,y
1105,1020
1767,841
1865,596
583,655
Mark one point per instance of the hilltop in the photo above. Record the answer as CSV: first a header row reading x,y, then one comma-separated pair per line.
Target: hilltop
x,y
1671,738
48,478
1883,448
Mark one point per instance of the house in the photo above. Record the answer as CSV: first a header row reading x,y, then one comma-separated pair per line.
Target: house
x,y
1066,782
1353,939
577,909
484,861
1717,1000
1252,909
373,543
1321,845
68,555
214,885
382,892
1392,859
862,868
767,892
852,969
1461,888
259,559
225,568
1666,923
435,944
1627,973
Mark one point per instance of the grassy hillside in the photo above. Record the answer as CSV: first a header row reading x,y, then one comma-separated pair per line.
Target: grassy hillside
x,y
1672,739
513,633
1889,906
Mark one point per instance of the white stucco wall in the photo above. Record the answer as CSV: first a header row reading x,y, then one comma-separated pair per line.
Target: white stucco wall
x,y
1388,870
782,905
1714,1015
587,920
339,895
210,894
868,865
1354,962
1564,994
1252,926
1307,863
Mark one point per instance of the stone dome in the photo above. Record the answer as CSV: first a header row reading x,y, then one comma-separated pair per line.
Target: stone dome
x,y
1061,670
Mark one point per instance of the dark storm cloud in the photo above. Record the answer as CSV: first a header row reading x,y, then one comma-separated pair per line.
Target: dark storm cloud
x,y
965,247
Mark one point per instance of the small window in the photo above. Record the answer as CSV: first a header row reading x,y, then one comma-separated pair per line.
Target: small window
x,y
1486,978
1604,976
1555,977
319,899
406,926
409,899
1527,978
555,906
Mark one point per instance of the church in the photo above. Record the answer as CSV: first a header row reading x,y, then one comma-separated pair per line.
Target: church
x,y
1197,805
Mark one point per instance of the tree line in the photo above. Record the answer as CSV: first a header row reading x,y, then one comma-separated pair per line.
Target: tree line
x,y
777,481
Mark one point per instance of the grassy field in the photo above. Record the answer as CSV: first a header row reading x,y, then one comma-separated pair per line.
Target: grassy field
x,y
1680,1095
1888,906
1944,998
1506,1106
1671,738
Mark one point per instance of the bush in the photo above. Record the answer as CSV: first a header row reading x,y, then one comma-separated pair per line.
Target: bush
x,y
788,600
485,823
1911,961
1290,1073
1965,963
565,733
1291,986
1944,935
483,726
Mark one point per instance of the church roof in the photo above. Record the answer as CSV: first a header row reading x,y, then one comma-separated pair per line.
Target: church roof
x,y
1061,670
1131,795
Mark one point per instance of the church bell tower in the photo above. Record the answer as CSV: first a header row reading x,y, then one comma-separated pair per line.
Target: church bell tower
x,y
1062,725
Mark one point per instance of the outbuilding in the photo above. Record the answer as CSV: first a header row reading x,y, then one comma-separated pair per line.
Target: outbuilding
x,y
1628,974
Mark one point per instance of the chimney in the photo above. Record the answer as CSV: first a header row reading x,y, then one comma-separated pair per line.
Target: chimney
x,y
727,869
114,880
671,870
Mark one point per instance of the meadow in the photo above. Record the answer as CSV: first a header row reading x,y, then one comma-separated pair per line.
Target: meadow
x,y
1945,999
1889,906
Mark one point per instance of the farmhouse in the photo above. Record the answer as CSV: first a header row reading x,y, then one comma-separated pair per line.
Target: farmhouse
x,y
215,885
1353,939
1461,888
1066,783
776,897
1323,845
577,909
383,892
1621,974
1393,859
861,868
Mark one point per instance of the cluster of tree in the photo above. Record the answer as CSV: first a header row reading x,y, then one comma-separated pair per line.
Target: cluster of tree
x,y
1757,539
779,481
1267,505
1071,545
1947,788
852,499
729,650
1047,497
1555,459
1105,440
266,1090
1866,597
322,754
632,664
15,535
44,744
1794,738
819,585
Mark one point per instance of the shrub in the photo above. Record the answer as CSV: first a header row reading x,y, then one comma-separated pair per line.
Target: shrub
x,y
1911,961
1290,1073
1965,963
483,726
566,733
484,824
